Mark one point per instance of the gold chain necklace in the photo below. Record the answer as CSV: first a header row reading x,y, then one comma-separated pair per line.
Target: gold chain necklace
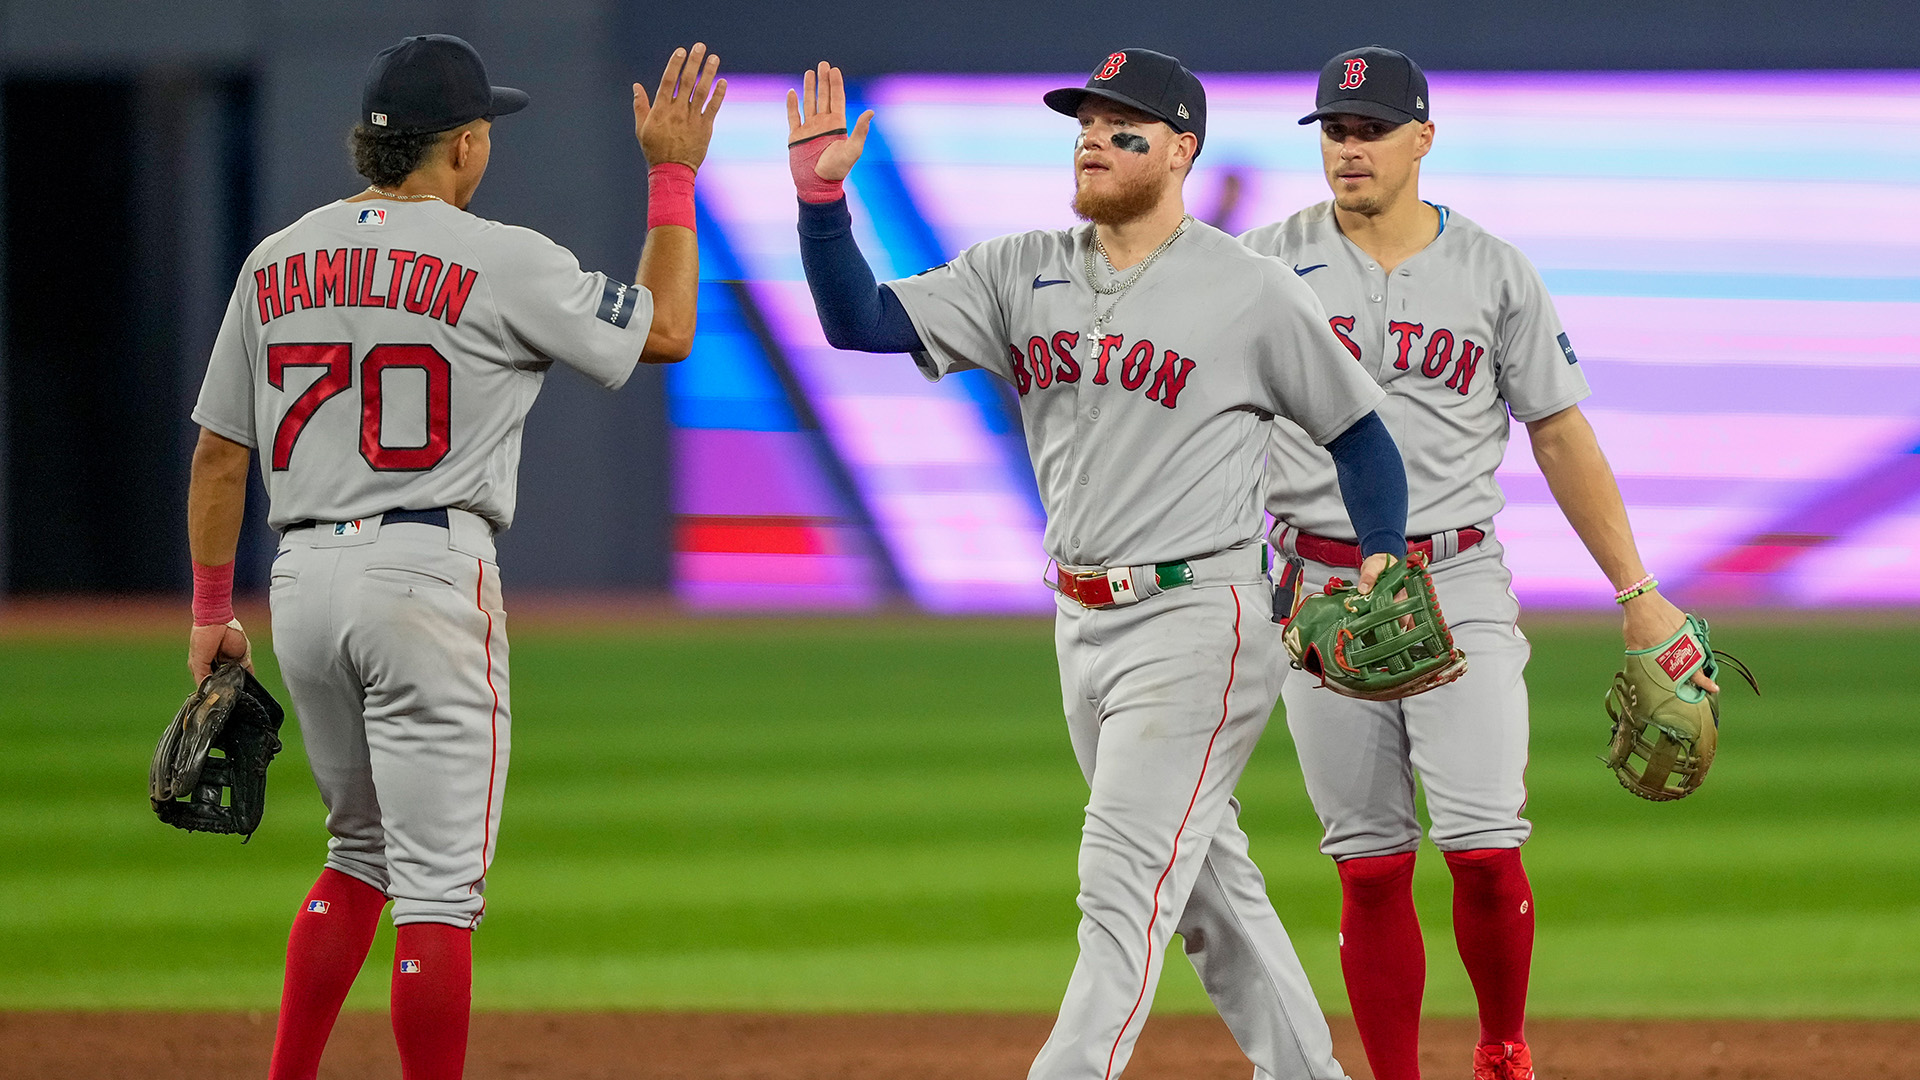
x,y
403,198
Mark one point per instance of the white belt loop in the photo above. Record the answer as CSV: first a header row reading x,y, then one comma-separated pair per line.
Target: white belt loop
x,y
1446,545
1282,540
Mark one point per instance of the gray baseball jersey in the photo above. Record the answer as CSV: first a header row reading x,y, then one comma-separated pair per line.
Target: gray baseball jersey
x,y
1146,438
1145,414
1458,335
384,354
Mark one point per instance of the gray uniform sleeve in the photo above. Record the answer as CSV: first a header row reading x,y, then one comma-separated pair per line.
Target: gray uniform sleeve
x,y
1301,371
959,312
556,311
1534,365
226,401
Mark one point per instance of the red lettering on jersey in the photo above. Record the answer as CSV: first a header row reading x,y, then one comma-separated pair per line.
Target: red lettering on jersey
x,y
1112,66
353,278
1139,361
1172,377
1439,353
266,292
1464,367
330,278
1041,361
1065,367
293,281
1107,345
381,359
336,358
1022,381
1341,325
399,259
452,296
1355,75
369,298
1407,331
426,274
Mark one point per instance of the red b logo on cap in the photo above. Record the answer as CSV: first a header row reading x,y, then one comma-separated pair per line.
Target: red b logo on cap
x,y
1112,66
1356,74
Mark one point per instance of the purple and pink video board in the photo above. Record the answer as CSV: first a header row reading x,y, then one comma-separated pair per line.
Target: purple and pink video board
x,y
1736,258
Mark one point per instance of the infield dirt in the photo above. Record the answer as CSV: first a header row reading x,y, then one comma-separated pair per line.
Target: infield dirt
x,y
937,1046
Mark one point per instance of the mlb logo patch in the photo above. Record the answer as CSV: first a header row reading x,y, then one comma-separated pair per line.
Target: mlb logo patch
x,y
346,528
373,215
318,907
379,119
409,967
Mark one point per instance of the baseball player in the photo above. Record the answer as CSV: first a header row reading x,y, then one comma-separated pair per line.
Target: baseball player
x,y
1147,350
381,353
1457,328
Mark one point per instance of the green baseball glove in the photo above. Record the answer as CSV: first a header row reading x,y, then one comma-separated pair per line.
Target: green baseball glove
x,y
192,789
1666,729
1390,643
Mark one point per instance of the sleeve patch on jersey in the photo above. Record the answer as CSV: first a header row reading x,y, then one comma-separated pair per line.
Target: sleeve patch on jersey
x,y
616,304
1566,347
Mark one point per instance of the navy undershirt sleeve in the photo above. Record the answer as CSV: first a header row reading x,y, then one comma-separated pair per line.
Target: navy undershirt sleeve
x,y
1373,483
855,312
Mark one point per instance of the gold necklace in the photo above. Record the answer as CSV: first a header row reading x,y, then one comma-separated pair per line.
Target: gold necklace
x,y
404,198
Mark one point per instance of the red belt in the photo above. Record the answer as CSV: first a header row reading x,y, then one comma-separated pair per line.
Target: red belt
x,y
1340,553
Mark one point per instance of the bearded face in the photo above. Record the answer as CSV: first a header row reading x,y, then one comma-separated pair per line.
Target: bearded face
x,y
1122,163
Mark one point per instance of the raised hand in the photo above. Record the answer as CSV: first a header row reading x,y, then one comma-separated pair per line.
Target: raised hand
x,y
816,116
678,124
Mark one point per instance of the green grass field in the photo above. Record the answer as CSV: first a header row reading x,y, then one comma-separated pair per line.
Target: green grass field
x,y
883,815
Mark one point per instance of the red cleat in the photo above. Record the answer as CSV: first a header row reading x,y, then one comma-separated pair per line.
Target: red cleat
x,y
1502,1061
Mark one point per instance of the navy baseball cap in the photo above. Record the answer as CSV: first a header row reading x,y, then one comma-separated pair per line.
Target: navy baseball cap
x,y
1374,81
1154,83
432,82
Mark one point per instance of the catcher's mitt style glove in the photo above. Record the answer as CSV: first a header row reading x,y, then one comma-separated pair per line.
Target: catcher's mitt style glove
x,y
1379,646
232,713
1665,728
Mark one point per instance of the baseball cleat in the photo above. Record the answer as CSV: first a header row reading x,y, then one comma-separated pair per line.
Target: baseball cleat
x,y
1502,1061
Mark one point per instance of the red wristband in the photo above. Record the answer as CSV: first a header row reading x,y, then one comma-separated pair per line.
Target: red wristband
x,y
801,158
213,594
670,195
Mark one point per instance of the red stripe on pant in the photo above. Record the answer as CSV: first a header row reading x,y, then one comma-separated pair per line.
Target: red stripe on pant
x,y
1175,857
493,734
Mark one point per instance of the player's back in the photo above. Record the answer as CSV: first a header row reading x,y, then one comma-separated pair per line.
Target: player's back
x,y
383,355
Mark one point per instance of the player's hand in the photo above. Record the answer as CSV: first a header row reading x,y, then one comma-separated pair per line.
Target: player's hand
x,y
819,109
1649,619
1370,570
208,645
678,124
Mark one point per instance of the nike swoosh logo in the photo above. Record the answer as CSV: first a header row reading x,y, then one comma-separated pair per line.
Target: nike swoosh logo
x,y
1303,271
1039,284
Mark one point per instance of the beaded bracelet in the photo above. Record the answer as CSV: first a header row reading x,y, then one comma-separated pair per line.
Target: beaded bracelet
x,y
1639,588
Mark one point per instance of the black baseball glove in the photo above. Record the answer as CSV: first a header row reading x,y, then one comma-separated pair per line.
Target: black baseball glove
x,y
210,770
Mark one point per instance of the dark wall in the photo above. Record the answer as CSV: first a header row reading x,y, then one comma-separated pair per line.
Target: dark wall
x,y
873,36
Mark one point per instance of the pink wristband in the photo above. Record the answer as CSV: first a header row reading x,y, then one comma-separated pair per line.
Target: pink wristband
x,y
802,156
213,594
670,195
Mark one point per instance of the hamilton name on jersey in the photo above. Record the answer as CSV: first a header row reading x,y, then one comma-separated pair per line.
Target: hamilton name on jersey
x,y
415,281
1048,361
1439,352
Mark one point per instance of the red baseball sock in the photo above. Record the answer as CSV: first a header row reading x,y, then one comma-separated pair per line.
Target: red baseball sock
x,y
1493,924
1384,961
329,942
432,999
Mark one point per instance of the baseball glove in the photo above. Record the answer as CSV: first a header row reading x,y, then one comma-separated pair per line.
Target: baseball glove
x,y
210,770
1665,729
1380,646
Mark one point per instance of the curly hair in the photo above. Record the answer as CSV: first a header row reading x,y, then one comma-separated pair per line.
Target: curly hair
x,y
386,158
